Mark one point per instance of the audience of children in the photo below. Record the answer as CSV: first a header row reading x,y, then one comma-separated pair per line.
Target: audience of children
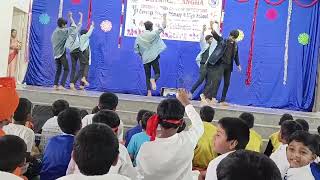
x,y
124,165
204,152
58,151
232,135
169,156
107,101
135,130
304,124
95,151
140,138
255,141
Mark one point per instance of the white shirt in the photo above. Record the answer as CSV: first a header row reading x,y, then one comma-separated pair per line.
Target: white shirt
x,y
124,165
50,128
212,167
171,158
21,131
102,177
281,160
303,173
9,176
88,120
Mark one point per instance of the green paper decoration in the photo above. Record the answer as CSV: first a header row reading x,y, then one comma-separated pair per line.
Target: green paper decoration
x,y
304,39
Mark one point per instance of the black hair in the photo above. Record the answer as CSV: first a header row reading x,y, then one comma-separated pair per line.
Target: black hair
x,y
12,30
208,37
247,165
170,109
182,127
288,128
95,110
234,34
145,119
148,25
304,124
140,114
13,152
307,139
236,129
61,22
318,129
83,31
95,149
107,117
108,101
23,110
247,118
69,121
207,113
58,106
83,113
285,117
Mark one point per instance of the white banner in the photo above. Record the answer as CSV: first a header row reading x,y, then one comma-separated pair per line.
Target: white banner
x,y
185,17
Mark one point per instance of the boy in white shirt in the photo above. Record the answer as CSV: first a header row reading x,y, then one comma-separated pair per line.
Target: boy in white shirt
x,y
96,149
124,165
247,165
232,135
169,156
280,155
12,157
107,101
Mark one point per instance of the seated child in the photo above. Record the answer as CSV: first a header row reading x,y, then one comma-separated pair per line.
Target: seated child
x,y
279,156
302,150
255,141
135,130
247,165
232,135
124,165
169,156
12,157
57,154
95,151
138,139
304,124
274,141
204,152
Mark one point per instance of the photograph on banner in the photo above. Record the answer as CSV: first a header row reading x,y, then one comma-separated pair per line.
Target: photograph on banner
x,y
185,18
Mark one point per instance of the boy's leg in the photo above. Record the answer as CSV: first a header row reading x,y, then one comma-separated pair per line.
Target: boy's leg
x,y
58,72
74,59
202,77
226,77
65,65
147,70
156,68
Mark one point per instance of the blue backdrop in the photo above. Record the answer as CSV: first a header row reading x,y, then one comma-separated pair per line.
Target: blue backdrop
x,y
120,70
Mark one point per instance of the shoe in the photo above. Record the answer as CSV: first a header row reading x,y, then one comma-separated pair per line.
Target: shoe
x,y
213,101
204,100
223,103
86,83
153,84
72,87
55,87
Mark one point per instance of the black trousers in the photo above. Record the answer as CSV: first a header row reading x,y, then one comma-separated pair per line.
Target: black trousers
x,y
215,74
62,61
202,77
156,68
84,65
75,56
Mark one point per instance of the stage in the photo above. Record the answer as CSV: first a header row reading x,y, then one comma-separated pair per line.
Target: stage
x,y
265,123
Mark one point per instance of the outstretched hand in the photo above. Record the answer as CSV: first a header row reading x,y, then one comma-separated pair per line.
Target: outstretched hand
x,y
70,14
239,68
182,96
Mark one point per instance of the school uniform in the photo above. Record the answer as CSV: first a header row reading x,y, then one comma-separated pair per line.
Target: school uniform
x,y
280,159
255,141
9,176
21,131
171,158
212,168
302,173
135,144
100,177
50,129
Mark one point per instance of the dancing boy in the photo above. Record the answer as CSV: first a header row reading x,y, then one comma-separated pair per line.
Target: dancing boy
x,y
219,64
149,45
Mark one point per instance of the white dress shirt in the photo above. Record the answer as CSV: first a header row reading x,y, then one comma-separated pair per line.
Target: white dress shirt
x,y
212,167
102,177
21,131
280,159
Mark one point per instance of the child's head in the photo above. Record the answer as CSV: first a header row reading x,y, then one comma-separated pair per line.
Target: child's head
x,y
69,121
107,117
59,106
207,113
209,39
146,116
95,110
234,34
232,134
303,149
62,23
96,149
304,124
108,101
83,31
170,112
13,153
148,25
23,111
83,113
248,118
140,115
287,129
285,117
247,165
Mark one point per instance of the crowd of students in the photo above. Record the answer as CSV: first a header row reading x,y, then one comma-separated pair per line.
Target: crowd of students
x,y
162,146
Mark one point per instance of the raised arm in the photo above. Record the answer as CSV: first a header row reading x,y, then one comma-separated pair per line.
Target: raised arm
x,y
164,25
215,35
80,22
203,42
70,16
236,58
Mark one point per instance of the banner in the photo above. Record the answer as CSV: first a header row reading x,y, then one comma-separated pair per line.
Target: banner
x,y
185,18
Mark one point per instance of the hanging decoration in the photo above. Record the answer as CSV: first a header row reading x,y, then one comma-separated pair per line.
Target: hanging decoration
x,y
272,14
76,1
121,24
304,39
241,36
89,15
106,26
60,8
286,53
305,5
44,18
